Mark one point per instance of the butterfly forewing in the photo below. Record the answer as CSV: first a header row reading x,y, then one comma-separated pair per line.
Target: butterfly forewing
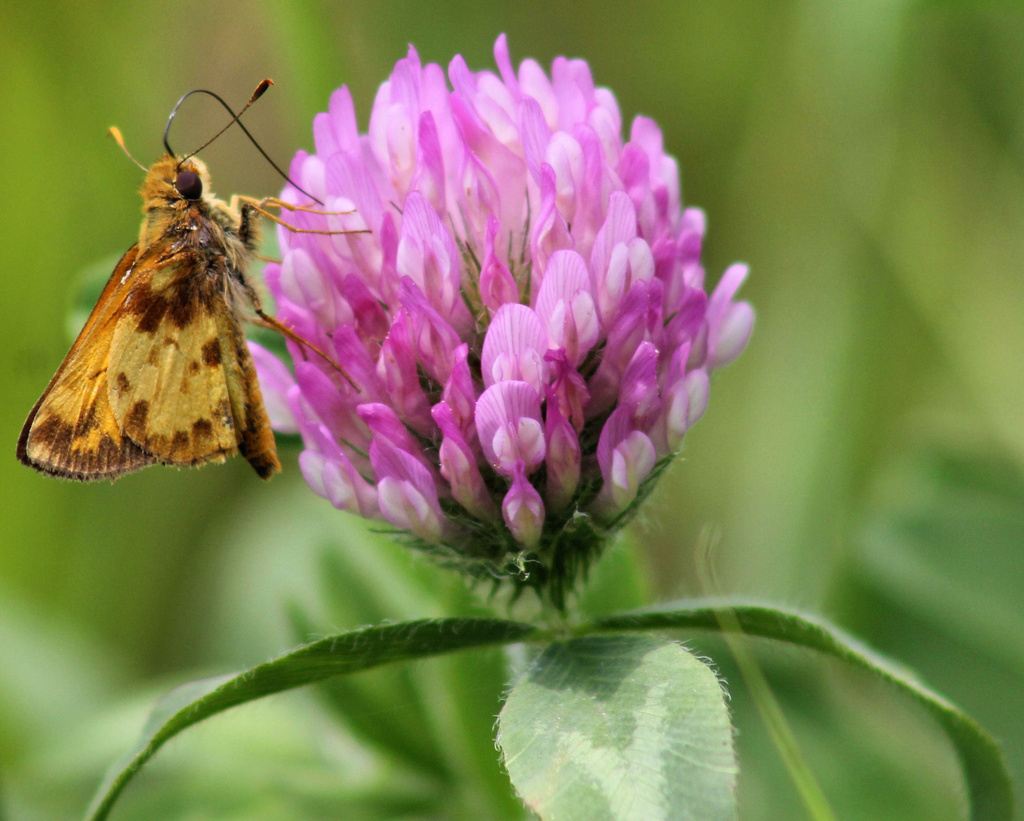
x,y
71,432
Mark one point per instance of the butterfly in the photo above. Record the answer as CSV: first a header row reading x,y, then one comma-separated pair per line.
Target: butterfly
x,y
161,372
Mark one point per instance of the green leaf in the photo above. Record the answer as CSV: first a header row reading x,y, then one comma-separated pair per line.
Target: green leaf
x,y
332,656
935,578
988,783
934,512
620,727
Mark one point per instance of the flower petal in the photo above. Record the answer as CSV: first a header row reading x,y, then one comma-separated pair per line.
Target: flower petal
x,y
566,308
729,323
497,286
514,347
275,383
523,509
509,424
407,495
563,456
626,457
459,467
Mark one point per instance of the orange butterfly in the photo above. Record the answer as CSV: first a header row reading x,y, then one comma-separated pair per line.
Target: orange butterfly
x,y
161,371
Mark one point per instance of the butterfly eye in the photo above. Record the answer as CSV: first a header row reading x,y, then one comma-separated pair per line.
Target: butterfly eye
x,y
189,185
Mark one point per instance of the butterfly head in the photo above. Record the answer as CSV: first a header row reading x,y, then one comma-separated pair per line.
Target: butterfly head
x,y
171,181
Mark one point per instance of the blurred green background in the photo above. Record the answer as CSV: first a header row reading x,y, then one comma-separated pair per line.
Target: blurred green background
x,y
863,459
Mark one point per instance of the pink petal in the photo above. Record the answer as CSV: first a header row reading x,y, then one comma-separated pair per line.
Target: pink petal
x,y
460,393
697,387
323,402
514,347
675,418
606,121
534,82
569,388
369,318
523,509
619,227
508,422
550,233
731,334
275,382
497,285
348,176
387,429
428,255
398,372
574,90
563,456
337,130
664,169
639,388
627,331
729,323
358,355
566,157
387,280
434,338
726,289
626,457
565,307
499,173
459,467
306,285
692,227
428,177
535,135
504,63
593,191
686,318
406,492
328,471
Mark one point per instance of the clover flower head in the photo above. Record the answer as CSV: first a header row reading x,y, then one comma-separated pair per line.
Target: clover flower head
x,y
524,326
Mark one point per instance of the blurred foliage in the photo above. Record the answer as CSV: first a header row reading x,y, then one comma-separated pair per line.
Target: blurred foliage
x,y
864,458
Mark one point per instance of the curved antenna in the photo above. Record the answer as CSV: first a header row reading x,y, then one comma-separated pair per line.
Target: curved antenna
x,y
260,89
115,132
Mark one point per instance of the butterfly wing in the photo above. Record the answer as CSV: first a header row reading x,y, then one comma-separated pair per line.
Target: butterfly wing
x,y
181,379
72,432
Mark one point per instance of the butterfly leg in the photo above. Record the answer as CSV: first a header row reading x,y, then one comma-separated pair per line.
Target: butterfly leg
x,y
248,224
250,206
267,321
273,324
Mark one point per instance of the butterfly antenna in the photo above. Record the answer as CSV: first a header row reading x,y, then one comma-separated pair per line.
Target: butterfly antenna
x,y
260,89
115,132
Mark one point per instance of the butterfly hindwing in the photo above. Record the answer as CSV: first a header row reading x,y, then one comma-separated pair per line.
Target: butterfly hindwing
x,y
257,438
177,382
